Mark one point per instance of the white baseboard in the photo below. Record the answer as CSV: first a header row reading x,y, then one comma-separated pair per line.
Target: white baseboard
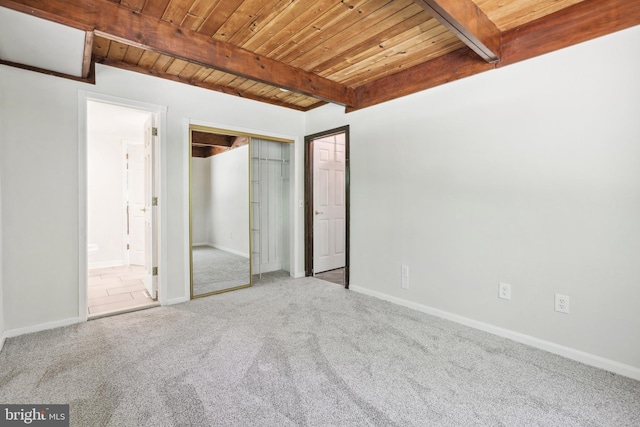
x,y
40,327
105,264
3,337
569,353
177,300
223,248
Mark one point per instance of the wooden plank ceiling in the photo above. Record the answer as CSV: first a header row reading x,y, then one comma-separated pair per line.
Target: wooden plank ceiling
x,y
303,53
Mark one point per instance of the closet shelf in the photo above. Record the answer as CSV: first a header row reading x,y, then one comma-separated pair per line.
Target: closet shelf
x,y
270,159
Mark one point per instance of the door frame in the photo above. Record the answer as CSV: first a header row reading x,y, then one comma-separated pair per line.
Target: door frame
x,y
294,247
308,200
160,113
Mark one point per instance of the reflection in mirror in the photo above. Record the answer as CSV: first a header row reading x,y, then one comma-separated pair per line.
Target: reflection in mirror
x,y
220,248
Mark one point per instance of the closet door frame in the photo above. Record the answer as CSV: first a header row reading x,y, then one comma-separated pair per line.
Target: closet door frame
x,y
186,147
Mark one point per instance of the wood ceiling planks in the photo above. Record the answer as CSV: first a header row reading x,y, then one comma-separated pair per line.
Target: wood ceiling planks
x,y
352,52
508,14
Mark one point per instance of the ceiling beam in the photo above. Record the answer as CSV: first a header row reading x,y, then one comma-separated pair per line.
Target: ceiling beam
x,y
469,23
452,66
566,27
574,24
211,86
119,23
90,79
86,56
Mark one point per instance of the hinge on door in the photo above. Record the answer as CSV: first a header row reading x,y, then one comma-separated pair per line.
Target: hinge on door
x,y
127,246
154,131
154,271
154,201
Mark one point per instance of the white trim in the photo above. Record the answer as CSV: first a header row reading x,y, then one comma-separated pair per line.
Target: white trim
x,y
178,300
569,353
186,190
41,327
163,206
160,113
3,338
83,242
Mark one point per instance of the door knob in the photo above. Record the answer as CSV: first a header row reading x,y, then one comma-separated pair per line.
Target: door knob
x,y
319,213
143,209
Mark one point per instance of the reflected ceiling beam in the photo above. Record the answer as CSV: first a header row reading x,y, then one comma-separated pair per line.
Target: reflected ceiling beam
x,y
566,27
239,141
119,23
469,23
86,57
205,151
453,66
214,139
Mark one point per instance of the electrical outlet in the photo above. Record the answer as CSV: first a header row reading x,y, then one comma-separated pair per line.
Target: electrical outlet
x,y
504,291
405,277
562,303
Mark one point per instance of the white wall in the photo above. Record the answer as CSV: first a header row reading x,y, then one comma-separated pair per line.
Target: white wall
x,y
40,179
229,201
220,201
105,199
200,199
528,175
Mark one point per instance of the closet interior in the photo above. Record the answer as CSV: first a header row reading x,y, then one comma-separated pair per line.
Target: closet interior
x,y
270,206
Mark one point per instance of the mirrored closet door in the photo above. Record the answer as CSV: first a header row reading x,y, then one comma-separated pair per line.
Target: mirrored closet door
x,y
241,207
220,229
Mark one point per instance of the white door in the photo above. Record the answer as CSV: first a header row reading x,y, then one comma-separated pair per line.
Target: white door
x,y
150,247
329,203
136,203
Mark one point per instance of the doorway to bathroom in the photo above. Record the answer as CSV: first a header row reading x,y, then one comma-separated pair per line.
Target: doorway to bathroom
x,y
121,230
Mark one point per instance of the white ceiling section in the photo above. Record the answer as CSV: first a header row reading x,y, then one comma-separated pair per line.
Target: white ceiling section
x,y
27,40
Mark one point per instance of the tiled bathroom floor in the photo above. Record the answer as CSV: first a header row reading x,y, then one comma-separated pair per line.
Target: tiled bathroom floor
x,y
114,290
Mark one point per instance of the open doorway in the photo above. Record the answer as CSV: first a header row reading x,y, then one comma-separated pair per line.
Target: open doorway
x,y
121,223
327,205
